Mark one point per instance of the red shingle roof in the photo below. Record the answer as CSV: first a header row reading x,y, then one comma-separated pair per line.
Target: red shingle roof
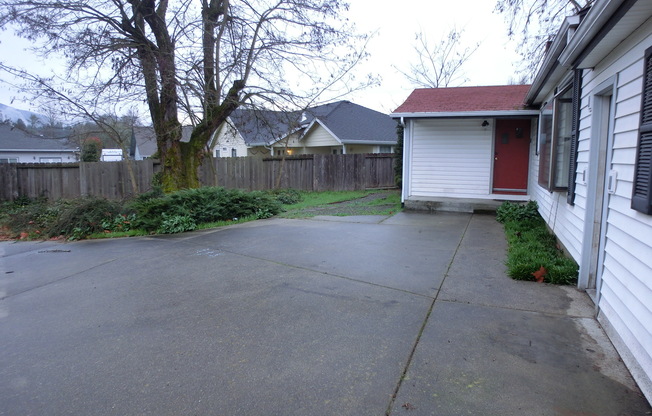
x,y
465,99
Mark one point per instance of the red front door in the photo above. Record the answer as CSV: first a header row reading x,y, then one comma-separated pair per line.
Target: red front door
x,y
511,156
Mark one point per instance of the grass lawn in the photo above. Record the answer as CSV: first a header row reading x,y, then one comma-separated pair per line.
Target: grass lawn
x,y
344,203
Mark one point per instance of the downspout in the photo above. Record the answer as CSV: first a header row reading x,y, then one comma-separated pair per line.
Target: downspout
x,y
405,182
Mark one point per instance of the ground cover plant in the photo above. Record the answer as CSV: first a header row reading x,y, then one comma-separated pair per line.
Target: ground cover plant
x,y
73,219
185,210
152,212
157,213
533,253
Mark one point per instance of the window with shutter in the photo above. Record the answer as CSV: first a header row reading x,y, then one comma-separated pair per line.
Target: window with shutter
x,y
558,122
575,129
642,190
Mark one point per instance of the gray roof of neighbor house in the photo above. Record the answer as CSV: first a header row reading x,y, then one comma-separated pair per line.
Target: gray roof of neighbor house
x,y
14,139
146,139
262,127
349,122
352,123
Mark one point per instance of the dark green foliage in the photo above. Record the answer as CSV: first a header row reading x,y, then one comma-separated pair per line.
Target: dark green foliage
x,y
152,211
202,205
531,246
512,211
83,217
172,224
34,217
155,192
91,150
119,223
398,155
286,196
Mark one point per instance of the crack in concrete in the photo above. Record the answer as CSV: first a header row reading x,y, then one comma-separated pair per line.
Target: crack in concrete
x,y
425,322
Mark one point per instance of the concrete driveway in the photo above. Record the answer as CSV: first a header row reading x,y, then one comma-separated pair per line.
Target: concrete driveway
x,y
410,314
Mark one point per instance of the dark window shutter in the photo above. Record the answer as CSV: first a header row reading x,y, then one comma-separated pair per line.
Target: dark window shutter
x,y
642,192
575,134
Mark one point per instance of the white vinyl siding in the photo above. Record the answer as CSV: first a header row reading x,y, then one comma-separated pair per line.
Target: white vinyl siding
x,y
38,156
318,136
625,298
450,158
626,294
566,221
227,140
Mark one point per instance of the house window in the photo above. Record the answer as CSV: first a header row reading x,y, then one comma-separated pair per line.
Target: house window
x,y
49,159
234,153
642,189
545,140
555,141
9,160
385,149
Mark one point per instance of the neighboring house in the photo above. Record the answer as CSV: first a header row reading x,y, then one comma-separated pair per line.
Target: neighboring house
x,y
590,165
143,142
17,146
252,132
336,128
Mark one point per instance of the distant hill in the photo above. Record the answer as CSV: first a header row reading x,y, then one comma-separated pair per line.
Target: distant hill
x,y
12,114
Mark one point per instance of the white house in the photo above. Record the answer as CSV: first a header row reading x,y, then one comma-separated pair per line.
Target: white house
x,y
341,127
590,163
592,170
17,146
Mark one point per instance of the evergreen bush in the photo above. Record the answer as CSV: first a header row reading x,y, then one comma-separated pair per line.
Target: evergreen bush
x,y
203,205
84,216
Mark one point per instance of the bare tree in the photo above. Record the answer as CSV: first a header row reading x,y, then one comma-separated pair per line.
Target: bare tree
x,y
534,23
439,65
189,60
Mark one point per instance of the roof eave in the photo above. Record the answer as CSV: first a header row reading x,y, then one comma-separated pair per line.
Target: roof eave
x,y
549,72
598,25
41,150
467,114
370,142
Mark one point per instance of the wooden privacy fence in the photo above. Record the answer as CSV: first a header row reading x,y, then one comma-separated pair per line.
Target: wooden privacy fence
x,y
112,180
304,172
54,181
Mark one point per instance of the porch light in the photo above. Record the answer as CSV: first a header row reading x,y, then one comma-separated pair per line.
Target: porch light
x,y
485,123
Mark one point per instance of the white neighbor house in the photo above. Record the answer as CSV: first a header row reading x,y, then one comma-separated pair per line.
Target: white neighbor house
x,y
590,164
340,127
17,146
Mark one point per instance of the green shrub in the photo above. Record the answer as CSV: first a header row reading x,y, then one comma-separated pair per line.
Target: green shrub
x,y
33,216
512,211
171,224
151,212
83,217
531,246
119,223
203,205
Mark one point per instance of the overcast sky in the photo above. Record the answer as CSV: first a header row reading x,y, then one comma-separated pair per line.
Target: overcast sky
x,y
395,24
398,22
